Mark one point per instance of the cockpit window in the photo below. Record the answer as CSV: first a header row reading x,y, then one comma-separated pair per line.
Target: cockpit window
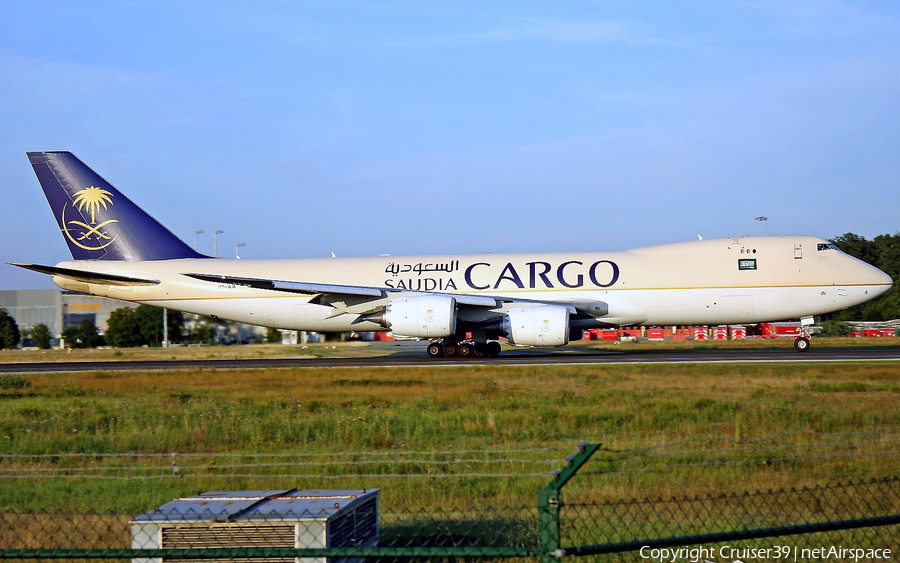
x,y
822,246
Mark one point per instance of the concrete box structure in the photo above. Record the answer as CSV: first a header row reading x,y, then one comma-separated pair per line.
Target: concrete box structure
x,y
247,519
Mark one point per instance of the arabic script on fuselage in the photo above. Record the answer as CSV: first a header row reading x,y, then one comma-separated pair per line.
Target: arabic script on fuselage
x,y
481,276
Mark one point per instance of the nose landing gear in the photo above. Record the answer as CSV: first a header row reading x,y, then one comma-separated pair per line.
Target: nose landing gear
x,y
801,343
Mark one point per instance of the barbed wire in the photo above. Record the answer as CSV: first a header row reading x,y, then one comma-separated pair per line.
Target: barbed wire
x,y
712,438
328,454
765,461
281,476
688,453
351,463
396,459
287,464
731,439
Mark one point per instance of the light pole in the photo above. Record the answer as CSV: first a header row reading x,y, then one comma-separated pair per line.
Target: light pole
x,y
216,233
765,222
237,249
197,233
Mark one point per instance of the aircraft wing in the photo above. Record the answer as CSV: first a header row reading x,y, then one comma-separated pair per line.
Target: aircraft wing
x,y
362,300
335,290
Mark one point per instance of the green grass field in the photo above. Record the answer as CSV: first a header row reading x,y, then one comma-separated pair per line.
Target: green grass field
x,y
830,422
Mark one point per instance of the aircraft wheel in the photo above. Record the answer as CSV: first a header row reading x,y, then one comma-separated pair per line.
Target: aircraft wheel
x,y
465,350
481,350
492,348
801,344
435,350
451,349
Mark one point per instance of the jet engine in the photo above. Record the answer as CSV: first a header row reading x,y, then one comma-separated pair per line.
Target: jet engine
x,y
542,325
427,316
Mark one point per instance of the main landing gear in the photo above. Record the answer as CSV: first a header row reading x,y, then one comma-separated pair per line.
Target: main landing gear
x,y
465,349
801,343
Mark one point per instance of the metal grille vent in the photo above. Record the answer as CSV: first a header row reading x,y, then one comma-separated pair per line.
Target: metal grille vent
x,y
354,528
228,535
366,521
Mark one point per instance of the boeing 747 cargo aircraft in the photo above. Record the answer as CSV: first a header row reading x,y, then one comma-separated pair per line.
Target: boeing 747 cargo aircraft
x,y
463,304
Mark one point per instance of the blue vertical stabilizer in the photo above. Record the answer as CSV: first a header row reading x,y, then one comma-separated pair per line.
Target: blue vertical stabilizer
x,y
98,222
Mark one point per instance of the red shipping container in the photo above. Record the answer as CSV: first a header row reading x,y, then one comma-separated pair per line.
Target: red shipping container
x,y
609,334
701,333
720,333
781,330
738,332
655,333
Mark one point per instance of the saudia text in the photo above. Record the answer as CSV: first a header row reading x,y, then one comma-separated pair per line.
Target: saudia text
x,y
571,274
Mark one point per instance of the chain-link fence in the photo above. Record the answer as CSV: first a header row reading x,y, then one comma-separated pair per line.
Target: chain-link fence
x,y
284,525
865,513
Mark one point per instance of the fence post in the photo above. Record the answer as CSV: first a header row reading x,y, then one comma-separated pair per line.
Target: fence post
x,y
549,501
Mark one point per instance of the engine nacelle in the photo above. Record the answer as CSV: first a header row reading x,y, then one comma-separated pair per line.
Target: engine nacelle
x,y
542,325
427,316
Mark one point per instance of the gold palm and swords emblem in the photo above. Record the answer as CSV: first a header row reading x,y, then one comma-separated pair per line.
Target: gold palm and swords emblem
x,y
92,199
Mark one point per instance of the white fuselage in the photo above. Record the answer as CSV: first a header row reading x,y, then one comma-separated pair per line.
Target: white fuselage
x,y
717,281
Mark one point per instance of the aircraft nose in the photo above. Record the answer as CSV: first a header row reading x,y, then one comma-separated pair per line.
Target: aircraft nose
x,y
884,281
879,281
859,273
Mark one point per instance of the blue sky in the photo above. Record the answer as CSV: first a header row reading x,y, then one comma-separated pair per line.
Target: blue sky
x,y
361,128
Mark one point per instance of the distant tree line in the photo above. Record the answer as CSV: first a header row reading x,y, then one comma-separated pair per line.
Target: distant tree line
x,y
83,335
142,326
883,252
9,331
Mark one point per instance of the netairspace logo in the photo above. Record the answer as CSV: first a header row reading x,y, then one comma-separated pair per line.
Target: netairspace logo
x,y
746,554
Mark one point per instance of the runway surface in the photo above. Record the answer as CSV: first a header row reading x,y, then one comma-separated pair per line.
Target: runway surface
x,y
413,356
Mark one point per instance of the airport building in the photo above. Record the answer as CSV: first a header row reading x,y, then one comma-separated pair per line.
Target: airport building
x,y
57,309
61,309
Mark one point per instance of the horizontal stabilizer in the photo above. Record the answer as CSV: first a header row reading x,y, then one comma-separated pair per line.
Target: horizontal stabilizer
x,y
86,276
